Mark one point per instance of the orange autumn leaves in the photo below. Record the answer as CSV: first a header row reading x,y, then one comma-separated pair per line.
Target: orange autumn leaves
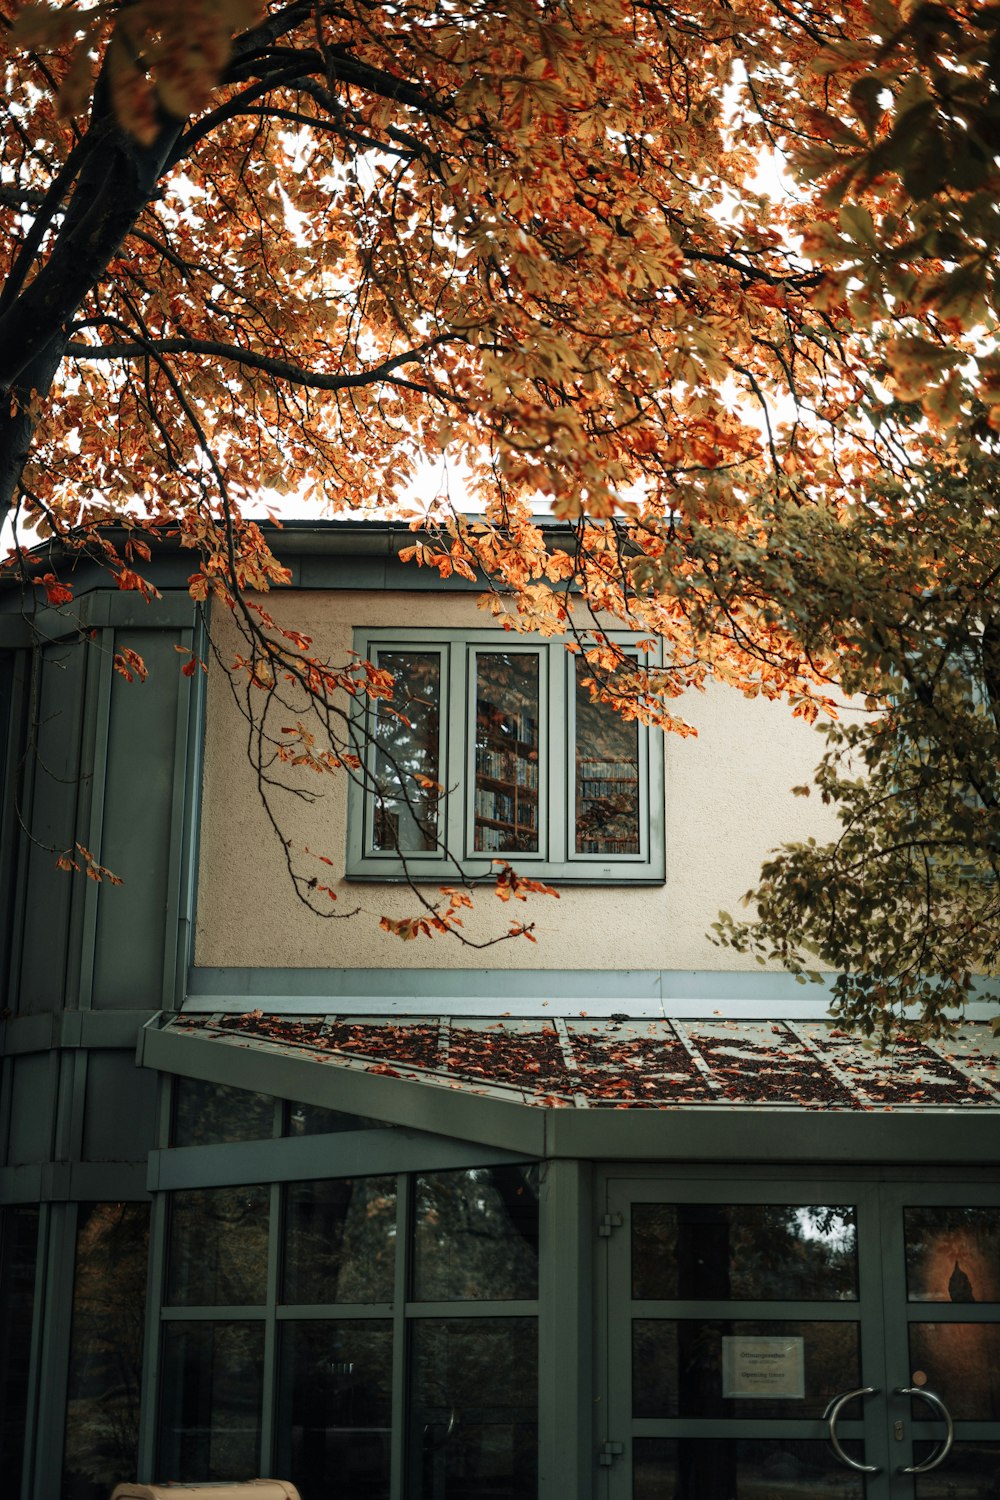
x,y
526,243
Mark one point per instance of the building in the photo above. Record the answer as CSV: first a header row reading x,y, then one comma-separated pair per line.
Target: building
x,y
608,1216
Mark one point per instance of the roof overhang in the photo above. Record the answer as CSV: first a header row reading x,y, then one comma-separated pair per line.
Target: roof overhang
x,y
650,1090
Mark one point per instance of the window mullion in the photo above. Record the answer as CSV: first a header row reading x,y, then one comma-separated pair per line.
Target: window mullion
x,y
271,1352
400,1352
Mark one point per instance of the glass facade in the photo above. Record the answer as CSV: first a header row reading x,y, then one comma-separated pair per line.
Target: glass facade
x,y
106,1345
398,1335
360,1306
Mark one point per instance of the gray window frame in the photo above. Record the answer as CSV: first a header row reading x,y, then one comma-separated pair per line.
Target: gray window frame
x,y
556,858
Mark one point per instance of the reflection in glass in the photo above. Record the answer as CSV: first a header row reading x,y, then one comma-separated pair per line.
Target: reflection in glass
x,y
970,1472
210,1402
105,1360
18,1247
506,784
773,1469
962,1364
476,1235
473,1409
313,1119
952,1254
407,735
213,1114
607,775
334,1409
340,1240
217,1247
678,1368
744,1251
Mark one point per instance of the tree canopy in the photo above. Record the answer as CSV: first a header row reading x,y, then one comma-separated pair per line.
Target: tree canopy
x,y
306,247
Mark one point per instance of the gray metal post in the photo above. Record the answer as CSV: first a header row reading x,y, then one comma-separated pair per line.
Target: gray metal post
x,y
566,1332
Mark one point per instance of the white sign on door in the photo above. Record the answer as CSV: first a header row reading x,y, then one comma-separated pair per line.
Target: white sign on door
x,y
765,1368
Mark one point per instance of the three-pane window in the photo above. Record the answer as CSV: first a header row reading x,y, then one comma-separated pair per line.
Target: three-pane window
x,y
487,754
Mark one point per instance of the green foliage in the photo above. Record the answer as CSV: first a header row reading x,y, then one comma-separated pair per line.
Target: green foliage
x,y
905,902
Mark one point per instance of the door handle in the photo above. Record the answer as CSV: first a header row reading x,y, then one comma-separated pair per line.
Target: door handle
x,y
830,1416
949,1433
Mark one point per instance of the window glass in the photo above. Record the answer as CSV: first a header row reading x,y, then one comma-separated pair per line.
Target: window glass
x,y
407,748
217,1247
213,1114
476,1235
506,785
313,1119
105,1360
960,1363
210,1402
746,1251
473,1427
793,1468
335,1409
969,1473
690,1368
18,1247
952,1254
607,775
340,1240
530,767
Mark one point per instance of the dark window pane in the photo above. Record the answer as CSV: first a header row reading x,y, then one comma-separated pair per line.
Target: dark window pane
x,y
476,1234
689,1368
743,1251
313,1119
762,1469
473,1429
506,792
18,1248
210,1402
217,1247
105,1361
213,1114
952,1254
334,1409
970,1472
340,1240
607,775
407,732
960,1362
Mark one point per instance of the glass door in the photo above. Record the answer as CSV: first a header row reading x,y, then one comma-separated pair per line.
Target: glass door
x,y
801,1341
941,1274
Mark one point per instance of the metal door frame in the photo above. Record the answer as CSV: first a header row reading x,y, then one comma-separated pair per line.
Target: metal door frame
x,y
881,1310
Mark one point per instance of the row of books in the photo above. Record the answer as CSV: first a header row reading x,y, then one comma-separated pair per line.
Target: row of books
x,y
502,765
593,791
502,840
608,770
607,846
501,807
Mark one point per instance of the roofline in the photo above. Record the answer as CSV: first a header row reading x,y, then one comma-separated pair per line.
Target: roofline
x,y
353,536
666,1134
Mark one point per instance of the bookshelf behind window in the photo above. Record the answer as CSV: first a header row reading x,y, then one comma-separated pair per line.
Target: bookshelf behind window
x,y
505,810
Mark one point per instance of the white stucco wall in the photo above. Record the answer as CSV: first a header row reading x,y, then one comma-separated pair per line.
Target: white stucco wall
x,y
727,797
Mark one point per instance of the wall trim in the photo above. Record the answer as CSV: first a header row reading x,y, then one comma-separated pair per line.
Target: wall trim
x,y
641,994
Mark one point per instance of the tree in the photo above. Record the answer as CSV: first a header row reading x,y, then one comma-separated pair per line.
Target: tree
x,y
305,252
906,901
310,244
